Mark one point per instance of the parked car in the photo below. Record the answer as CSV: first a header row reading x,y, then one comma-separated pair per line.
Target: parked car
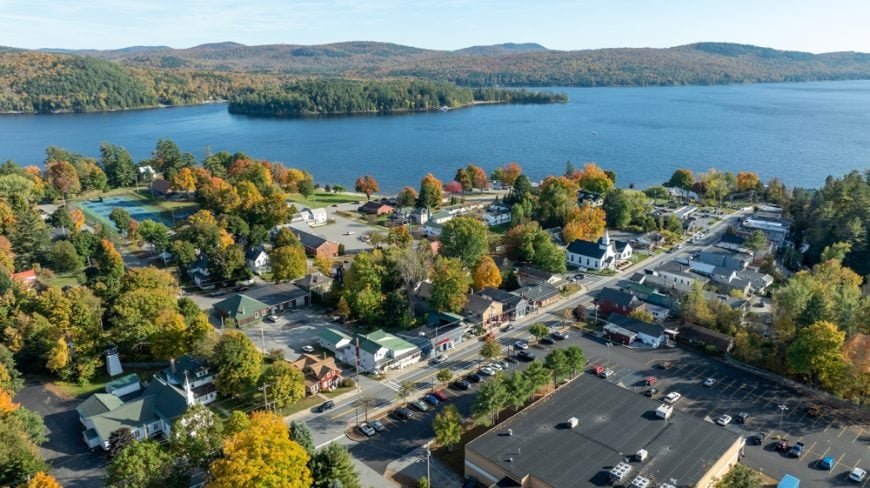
x,y
439,359
377,425
420,405
521,345
431,400
510,360
367,430
709,382
486,370
495,366
241,288
526,355
665,365
558,335
403,413
597,370
757,438
826,463
650,381
782,445
307,348
724,420
507,328
651,392
743,417
814,410
797,450
606,373
579,276
474,378
326,406
547,340
440,395
858,475
505,364
672,397
271,318
462,384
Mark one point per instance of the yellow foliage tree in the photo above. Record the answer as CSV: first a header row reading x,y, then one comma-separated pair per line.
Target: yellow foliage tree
x,y
486,274
42,480
183,180
593,178
58,357
747,180
585,223
7,406
323,264
261,455
78,219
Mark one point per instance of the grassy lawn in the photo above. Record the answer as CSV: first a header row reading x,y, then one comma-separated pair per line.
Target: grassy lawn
x,y
638,257
322,199
98,383
61,280
337,392
304,404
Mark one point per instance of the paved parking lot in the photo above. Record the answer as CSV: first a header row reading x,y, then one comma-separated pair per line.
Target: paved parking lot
x,y
293,330
344,231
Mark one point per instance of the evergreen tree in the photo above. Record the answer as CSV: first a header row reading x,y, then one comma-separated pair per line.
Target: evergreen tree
x,y
332,463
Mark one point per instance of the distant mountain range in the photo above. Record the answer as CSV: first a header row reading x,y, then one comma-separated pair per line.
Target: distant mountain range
x,y
218,70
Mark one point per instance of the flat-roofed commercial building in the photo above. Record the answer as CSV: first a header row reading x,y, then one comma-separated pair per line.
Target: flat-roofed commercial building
x,y
539,448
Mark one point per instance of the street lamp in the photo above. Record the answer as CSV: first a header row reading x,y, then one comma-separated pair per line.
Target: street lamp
x,y
782,410
609,347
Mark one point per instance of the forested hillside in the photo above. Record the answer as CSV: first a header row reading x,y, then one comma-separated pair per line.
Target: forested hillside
x,y
151,75
325,97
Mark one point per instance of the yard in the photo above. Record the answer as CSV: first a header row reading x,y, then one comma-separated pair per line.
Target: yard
x,y
322,199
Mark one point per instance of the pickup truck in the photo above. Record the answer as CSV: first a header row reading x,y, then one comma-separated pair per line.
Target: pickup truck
x,y
796,450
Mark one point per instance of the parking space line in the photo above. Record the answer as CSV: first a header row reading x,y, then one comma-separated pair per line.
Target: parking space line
x,y
829,424
842,431
861,431
748,393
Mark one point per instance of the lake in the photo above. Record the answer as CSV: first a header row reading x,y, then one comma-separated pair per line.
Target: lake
x,y
799,132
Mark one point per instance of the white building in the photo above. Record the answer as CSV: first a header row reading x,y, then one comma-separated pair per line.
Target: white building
x,y
312,216
375,352
491,219
603,254
257,260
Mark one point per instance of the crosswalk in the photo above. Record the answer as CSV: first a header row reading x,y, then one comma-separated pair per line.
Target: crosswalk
x,y
391,384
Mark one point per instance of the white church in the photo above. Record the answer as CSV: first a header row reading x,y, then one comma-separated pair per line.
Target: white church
x,y
602,254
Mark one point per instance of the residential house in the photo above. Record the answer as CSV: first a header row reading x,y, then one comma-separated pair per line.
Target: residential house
x,y
725,259
678,276
421,296
26,278
257,260
611,300
376,208
603,254
694,334
539,296
198,271
402,216
419,216
734,242
315,246
124,385
146,416
312,216
591,198
649,241
432,229
482,310
531,276
441,217
334,340
378,351
242,309
194,372
513,306
775,229
491,219
321,374
160,188
315,282
627,330
758,281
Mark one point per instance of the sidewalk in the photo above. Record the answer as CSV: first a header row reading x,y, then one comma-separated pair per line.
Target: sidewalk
x,y
412,466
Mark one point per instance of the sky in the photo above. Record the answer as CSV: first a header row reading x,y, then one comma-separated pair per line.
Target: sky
x,y
804,25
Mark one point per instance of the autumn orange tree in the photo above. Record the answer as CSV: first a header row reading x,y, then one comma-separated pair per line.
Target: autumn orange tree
x,y
593,178
366,184
507,174
747,180
261,455
183,180
42,480
585,223
486,274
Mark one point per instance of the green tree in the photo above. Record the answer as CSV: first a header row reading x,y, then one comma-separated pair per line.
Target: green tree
x,y
817,352
490,399
197,437
537,375
464,238
519,390
558,196
490,349
576,359
61,219
63,257
539,330
423,483
407,197
288,262
286,384
837,250
757,242
447,425
431,192
557,363
301,435
815,310
642,315
739,476
154,233
444,375
331,464
139,465
406,388
682,179
121,218
449,285
238,363
118,165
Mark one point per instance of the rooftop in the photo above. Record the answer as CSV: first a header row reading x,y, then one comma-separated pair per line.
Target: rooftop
x,y
586,248
613,423
616,297
634,325
275,294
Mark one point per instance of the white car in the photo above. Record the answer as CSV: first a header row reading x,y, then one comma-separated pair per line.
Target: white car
x,y
709,382
521,345
439,359
672,398
495,366
724,420
307,348
487,371
349,233
858,475
367,430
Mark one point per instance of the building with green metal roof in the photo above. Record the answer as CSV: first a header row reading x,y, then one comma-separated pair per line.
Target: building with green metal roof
x,y
242,309
375,351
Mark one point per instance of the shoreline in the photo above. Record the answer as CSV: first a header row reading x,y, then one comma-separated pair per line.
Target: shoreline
x,y
111,110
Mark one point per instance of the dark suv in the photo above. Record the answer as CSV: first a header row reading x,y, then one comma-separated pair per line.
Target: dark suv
x,y
403,413
743,417
325,406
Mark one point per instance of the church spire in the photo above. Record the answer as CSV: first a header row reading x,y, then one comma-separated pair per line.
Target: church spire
x,y
605,239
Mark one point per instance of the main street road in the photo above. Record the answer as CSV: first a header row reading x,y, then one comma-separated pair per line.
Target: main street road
x,y
331,425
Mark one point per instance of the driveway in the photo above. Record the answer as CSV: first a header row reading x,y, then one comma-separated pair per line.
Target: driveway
x,y
72,463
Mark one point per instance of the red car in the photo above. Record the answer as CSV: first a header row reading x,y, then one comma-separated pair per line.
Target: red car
x,y
651,380
440,395
596,370
782,445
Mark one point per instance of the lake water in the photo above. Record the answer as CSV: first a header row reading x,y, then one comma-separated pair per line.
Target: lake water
x,y
798,132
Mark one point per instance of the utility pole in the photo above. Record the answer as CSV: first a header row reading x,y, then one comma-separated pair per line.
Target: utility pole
x,y
262,337
428,453
265,388
609,347
782,410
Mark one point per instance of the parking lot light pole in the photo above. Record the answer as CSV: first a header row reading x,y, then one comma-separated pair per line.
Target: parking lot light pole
x,y
782,410
609,347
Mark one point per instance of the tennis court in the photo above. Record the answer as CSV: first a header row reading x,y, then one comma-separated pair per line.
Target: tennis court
x,y
136,207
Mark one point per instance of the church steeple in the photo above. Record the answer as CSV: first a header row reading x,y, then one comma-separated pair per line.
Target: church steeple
x,y
605,239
